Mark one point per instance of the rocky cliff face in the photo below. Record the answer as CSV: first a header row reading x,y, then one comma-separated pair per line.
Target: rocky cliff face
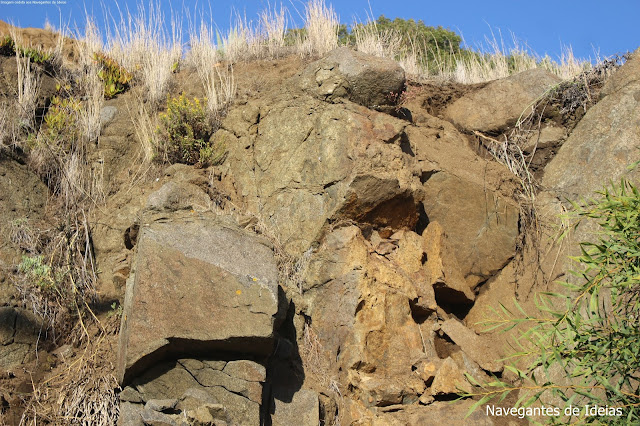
x,y
334,269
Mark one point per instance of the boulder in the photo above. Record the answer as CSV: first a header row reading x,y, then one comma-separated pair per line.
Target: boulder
x,y
246,370
208,415
194,388
449,379
387,391
19,335
211,377
361,309
603,144
482,225
173,196
311,164
199,284
129,394
443,274
437,413
623,76
549,135
303,409
154,418
420,258
161,405
364,79
473,204
129,414
500,103
482,349
426,370
165,380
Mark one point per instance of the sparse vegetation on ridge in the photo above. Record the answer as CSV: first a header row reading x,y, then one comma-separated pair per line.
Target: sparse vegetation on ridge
x,y
185,133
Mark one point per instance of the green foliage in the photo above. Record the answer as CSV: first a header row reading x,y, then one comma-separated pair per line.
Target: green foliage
x,y
591,335
61,122
36,55
415,34
56,278
39,274
8,48
294,35
115,77
431,44
116,310
185,132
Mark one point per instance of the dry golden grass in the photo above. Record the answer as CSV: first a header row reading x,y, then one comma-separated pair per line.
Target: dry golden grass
x,y
82,390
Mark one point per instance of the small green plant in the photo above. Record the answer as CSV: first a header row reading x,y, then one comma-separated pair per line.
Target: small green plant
x,y
184,131
115,77
590,336
116,310
61,121
37,56
39,274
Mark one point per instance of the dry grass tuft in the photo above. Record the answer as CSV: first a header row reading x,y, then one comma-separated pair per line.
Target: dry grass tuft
x,y
247,41
28,85
141,43
145,124
202,49
91,86
321,24
317,364
83,389
220,88
499,61
242,43
57,276
273,25
6,127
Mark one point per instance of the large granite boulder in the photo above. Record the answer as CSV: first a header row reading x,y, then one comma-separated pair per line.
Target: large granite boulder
x,y
482,225
470,197
498,105
623,76
301,164
364,79
198,284
604,143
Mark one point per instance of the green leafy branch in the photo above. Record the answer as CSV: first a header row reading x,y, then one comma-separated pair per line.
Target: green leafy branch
x,y
590,335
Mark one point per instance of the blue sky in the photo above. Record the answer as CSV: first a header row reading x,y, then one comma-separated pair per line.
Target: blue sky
x,y
603,27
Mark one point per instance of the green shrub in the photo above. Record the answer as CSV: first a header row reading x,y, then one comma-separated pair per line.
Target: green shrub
x,y
61,122
185,132
115,77
591,335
